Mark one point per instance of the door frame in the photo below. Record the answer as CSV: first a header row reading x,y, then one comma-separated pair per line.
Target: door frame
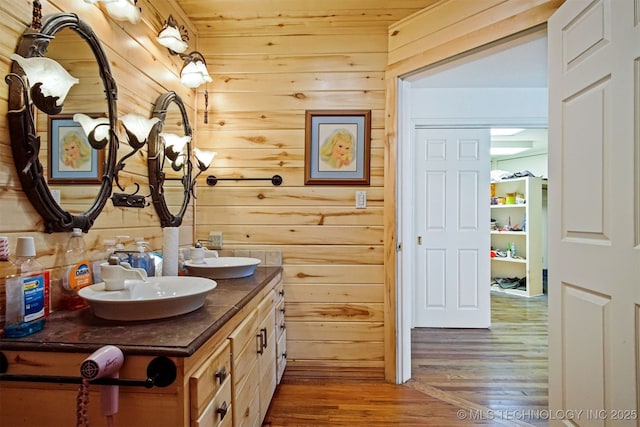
x,y
405,213
416,52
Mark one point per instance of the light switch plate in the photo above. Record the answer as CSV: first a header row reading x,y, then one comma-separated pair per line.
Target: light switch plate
x,y
361,199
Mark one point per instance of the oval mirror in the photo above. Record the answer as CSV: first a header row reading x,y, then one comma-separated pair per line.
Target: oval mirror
x,y
169,163
67,179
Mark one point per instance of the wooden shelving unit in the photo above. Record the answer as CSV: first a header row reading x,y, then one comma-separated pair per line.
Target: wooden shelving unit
x,y
527,261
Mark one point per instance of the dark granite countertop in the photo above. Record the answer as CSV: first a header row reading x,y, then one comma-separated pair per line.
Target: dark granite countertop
x,y
81,331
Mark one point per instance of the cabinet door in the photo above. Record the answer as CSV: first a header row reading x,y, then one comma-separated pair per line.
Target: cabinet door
x,y
246,403
267,358
281,356
244,366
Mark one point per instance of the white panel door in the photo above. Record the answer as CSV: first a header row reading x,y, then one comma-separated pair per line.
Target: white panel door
x,y
452,268
594,212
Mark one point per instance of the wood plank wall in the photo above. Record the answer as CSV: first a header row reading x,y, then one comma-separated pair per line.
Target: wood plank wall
x,y
270,62
143,70
446,29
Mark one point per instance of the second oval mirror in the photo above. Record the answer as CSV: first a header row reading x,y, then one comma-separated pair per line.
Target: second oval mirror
x,y
169,164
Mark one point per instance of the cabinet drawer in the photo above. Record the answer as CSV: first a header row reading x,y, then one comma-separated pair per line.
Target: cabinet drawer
x,y
218,412
281,356
279,290
209,379
280,319
244,334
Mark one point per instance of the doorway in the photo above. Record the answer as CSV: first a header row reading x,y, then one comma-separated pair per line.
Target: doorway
x,y
502,86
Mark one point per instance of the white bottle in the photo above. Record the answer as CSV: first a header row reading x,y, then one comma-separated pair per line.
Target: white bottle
x,y
27,294
77,273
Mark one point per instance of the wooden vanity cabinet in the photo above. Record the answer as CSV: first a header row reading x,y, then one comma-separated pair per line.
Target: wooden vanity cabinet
x,y
253,363
234,367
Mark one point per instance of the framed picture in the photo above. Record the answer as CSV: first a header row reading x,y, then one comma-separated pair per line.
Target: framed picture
x,y
337,147
71,159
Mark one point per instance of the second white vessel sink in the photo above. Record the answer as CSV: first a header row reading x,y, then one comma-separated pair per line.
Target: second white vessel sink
x,y
223,267
155,298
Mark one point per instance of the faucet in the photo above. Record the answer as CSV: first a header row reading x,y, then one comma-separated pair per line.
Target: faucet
x,y
114,273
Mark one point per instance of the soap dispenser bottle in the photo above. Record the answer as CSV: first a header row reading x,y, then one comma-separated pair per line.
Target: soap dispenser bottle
x,y
77,273
120,250
141,259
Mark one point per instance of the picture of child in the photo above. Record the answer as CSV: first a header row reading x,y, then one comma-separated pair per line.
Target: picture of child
x,y
338,150
75,152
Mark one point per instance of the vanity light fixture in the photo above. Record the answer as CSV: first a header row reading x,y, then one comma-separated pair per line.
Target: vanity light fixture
x,y
97,130
49,82
173,148
137,129
121,10
173,37
203,161
194,71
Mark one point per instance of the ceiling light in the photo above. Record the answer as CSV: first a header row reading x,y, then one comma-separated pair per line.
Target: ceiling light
x,y
121,10
505,131
509,148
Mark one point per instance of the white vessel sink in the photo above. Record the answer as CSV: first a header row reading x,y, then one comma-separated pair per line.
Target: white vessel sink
x,y
156,298
223,267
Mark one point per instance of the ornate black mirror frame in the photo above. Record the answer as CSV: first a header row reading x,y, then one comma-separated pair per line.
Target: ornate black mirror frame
x,y
156,159
26,145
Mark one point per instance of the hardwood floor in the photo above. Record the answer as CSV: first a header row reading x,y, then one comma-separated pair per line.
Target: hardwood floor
x,y
461,377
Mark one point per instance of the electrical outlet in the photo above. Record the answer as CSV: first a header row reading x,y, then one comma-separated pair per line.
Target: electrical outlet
x,y
361,199
215,239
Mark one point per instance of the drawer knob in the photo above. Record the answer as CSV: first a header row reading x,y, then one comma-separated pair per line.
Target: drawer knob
x,y
283,326
283,310
281,292
221,374
222,410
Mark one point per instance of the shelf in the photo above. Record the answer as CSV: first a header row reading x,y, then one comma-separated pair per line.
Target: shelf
x,y
528,241
514,260
519,292
511,205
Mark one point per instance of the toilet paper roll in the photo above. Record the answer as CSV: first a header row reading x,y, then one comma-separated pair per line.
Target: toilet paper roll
x,y
170,244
